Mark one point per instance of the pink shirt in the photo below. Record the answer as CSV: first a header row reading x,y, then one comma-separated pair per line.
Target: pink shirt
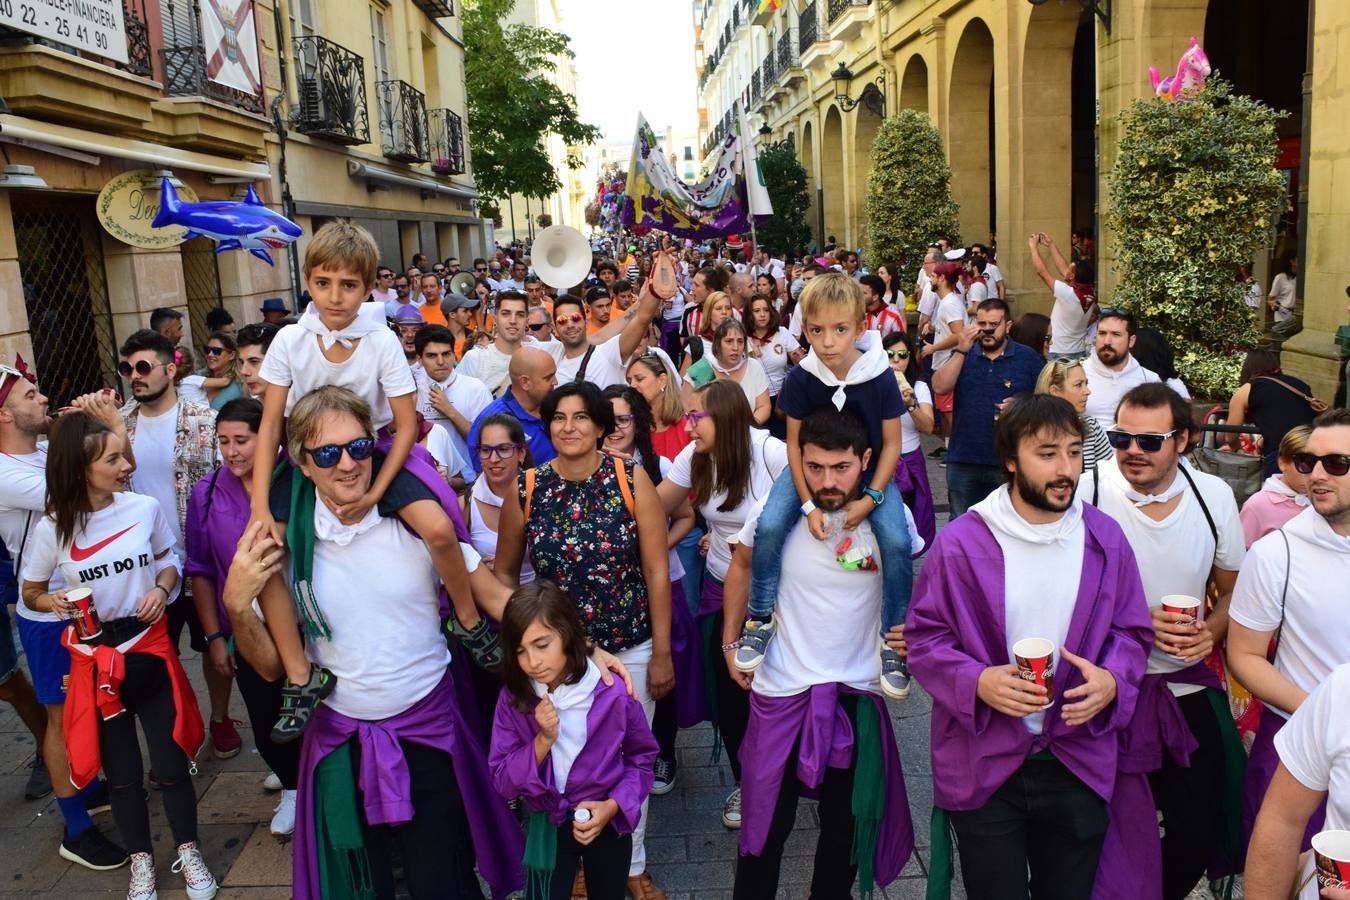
x,y
1267,510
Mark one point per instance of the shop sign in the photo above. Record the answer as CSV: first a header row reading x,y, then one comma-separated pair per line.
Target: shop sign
x,y
94,26
128,204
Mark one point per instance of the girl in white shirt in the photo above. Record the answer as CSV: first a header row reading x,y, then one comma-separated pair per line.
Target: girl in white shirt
x,y
502,452
911,472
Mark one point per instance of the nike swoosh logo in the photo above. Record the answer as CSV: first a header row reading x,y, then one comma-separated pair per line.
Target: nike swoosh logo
x,y
80,554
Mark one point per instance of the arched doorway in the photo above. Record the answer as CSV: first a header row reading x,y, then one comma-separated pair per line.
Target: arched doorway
x,y
806,154
834,199
971,130
867,119
914,85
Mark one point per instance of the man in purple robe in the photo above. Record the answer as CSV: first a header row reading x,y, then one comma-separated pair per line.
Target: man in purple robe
x,y
818,724
1025,757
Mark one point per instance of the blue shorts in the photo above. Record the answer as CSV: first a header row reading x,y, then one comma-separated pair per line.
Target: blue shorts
x,y
9,656
48,661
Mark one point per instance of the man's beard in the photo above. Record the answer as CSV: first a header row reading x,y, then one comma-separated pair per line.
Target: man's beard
x,y
831,501
152,396
1108,355
1039,497
990,347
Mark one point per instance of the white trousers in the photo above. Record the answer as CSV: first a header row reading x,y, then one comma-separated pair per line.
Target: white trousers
x,y
637,659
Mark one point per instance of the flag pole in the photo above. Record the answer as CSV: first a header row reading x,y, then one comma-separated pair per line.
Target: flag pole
x,y
745,173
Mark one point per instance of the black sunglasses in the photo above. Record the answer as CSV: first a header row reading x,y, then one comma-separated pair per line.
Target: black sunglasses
x,y
330,455
1148,443
538,326
1336,464
214,351
142,368
1109,311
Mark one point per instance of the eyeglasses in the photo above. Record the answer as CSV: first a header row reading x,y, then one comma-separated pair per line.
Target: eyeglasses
x,y
1336,464
400,287
897,354
573,319
538,326
386,274
696,415
480,268
501,451
142,368
624,422
330,455
214,351
1148,443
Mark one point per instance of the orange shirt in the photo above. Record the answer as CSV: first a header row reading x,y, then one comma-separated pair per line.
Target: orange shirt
x,y
432,315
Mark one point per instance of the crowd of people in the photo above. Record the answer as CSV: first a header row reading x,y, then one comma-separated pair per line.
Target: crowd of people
x,y
473,560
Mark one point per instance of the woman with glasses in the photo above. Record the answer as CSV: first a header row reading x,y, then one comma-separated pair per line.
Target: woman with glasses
x,y
502,454
222,364
777,351
911,472
730,360
684,707
730,466
1067,379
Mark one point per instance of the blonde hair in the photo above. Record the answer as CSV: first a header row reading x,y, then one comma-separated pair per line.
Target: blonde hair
x,y
343,245
1055,374
833,290
1295,440
709,302
669,409
303,423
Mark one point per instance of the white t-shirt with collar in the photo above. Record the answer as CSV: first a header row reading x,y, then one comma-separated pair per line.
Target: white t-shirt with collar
x,y
153,445
467,394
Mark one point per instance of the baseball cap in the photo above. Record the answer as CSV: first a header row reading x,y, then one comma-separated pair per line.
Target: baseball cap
x,y
454,301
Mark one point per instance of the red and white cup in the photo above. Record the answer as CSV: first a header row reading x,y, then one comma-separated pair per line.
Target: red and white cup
x,y
1331,855
85,617
1182,605
1036,663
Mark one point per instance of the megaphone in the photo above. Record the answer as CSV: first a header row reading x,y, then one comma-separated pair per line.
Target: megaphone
x,y
561,256
462,283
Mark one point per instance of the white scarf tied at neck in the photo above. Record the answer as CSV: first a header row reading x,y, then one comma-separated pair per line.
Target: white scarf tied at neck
x,y
369,319
866,367
1175,489
723,370
328,527
1277,485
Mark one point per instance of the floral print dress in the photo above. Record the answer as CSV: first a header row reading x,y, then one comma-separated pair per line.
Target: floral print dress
x,y
581,536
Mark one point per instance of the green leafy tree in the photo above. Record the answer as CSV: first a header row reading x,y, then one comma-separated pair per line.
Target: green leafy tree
x,y
909,202
513,105
785,180
1194,194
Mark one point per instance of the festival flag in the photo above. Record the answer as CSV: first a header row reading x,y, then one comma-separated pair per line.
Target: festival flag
x,y
767,6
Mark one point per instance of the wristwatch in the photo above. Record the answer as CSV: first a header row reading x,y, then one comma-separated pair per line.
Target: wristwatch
x,y
876,495
214,635
808,507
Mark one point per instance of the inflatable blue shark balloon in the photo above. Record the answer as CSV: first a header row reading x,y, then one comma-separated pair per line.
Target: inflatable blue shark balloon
x,y
233,224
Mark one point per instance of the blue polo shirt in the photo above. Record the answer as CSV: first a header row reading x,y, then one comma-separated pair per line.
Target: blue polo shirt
x,y
536,433
871,401
981,386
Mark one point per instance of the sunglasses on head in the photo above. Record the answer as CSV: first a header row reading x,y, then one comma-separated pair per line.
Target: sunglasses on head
x,y
1336,464
1148,442
142,368
501,451
1108,311
897,354
330,455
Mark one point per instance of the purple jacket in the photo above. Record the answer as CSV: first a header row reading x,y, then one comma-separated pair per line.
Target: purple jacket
x,y
616,761
956,629
434,721
211,533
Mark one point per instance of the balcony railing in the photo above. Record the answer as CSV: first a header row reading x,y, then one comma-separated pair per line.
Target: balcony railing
x,y
808,27
332,86
838,7
787,53
403,121
754,86
447,142
186,70
769,71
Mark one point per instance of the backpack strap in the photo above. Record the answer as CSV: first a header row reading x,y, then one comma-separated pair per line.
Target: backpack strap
x,y
529,491
585,361
1200,498
625,487
1284,595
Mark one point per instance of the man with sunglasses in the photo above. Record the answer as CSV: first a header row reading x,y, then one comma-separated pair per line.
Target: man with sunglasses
x,y
384,292
1111,370
451,398
174,441
1292,592
1184,529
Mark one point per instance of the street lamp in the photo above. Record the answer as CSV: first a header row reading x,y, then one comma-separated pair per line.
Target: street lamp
x,y
765,130
873,94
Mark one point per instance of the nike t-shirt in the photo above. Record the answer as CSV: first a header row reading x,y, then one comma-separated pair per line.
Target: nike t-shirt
x,y
116,554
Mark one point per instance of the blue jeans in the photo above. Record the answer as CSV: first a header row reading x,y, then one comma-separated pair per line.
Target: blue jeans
x,y
968,484
780,516
692,560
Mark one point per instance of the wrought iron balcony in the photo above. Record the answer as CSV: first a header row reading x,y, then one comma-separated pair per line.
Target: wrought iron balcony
x,y
187,71
754,85
808,27
447,142
403,121
769,70
838,7
332,83
787,53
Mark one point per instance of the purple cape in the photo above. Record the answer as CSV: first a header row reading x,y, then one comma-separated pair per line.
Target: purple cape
x,y
691,706
815,718
956,629
615,762
911,480
434,721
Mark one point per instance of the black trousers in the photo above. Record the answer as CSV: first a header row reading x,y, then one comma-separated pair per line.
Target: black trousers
x,y
833,874
148,696
1191,801
665,727
262,700
733,703
1043,818
435,847
605,861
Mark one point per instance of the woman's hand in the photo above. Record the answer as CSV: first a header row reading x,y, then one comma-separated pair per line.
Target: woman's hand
x,y
62,609
602,812
660,675
256,559
703,544
610,666
152,605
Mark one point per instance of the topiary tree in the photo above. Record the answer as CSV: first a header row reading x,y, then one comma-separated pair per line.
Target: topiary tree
x,y
1193,195
785,180
909,202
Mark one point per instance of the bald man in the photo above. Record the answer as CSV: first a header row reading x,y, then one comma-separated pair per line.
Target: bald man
x,y
532,374
739,289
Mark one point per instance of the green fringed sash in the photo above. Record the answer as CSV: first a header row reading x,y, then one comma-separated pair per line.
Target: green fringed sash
x,y
300,541
1235,773
541,853
344,867
941,865
869,796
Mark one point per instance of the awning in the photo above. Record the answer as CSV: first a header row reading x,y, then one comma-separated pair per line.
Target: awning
x,y
22,130
384,176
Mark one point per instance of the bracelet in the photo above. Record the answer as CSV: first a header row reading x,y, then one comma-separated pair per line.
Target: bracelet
x,y
164,589
731,646
808,507
959,350
215,635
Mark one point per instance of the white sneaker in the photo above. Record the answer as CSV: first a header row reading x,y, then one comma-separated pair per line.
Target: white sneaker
x,y
731,809
272,782
283,823
201,884
142,886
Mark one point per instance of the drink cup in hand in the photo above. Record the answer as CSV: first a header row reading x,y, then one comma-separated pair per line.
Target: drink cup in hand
x,y
1035,658
1331,854
1182,605
85,617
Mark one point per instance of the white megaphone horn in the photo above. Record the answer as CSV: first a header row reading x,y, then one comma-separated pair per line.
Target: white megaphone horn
x,y
561,257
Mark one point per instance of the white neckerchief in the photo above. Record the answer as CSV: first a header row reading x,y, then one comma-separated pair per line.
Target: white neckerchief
x,y
1276,484
866,367
1173,490
722,370
998,512
573,703
328,527
369,319
483,494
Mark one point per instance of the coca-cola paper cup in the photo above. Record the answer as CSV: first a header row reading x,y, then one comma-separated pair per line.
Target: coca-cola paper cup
x,y
85,617
1036,662
1331,853
1182,605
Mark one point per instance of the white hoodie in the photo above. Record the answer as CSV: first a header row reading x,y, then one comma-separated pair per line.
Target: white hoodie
x,y
573,703
1109,385
866,367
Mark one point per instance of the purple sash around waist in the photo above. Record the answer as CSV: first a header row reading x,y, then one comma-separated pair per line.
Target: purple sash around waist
x,y
687,651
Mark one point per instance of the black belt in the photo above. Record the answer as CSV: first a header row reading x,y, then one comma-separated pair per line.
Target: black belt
x,y
117,632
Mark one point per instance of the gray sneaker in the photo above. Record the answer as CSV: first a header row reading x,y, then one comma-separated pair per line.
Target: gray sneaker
x,y
731,809
895,680
755,637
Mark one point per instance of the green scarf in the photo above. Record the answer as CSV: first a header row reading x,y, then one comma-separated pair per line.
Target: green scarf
x,y
1235,773
541,853
300,540
344,868
941,866
869,799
